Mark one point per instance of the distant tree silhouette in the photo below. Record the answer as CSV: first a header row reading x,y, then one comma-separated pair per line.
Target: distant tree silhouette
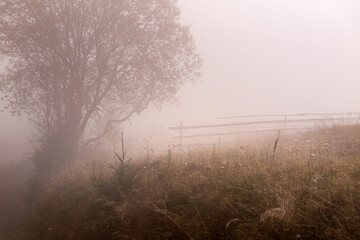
x,y
73,62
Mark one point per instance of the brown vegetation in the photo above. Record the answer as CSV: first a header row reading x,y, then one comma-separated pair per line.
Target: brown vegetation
x,y
308,190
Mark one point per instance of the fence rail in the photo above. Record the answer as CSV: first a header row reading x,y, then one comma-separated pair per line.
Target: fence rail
x,y
241,132
285,121
290,115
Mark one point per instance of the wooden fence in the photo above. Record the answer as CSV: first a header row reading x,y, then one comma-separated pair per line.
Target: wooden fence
x,y
285,122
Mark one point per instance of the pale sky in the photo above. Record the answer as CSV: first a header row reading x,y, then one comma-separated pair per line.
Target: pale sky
x,y
260,57
266,57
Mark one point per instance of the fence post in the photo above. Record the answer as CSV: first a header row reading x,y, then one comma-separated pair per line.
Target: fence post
x,y
181,134
285,121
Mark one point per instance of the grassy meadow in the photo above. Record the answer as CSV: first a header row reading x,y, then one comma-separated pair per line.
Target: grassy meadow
x,y
303,188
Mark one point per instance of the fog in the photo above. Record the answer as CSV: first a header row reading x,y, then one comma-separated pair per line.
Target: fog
x,y
260,57
133,135
265,57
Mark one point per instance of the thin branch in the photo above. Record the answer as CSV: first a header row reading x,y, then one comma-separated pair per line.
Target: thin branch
x,y
107,127
109,122
97,101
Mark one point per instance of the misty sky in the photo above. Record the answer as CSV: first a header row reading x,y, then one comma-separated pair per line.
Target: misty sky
x,y
260,56
264,57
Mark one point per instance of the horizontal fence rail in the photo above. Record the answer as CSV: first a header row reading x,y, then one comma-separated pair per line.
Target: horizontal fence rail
x,y
291,115
261,122
242,132
258,126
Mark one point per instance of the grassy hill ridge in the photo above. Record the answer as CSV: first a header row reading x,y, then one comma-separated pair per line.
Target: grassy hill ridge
x,y
308,188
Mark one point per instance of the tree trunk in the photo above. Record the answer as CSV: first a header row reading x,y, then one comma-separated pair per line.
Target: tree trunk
x,y
54,157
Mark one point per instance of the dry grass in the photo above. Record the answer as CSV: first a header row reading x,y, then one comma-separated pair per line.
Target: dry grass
x,y
306,190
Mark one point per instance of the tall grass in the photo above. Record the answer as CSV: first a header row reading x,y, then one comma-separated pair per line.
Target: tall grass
x,y
303,189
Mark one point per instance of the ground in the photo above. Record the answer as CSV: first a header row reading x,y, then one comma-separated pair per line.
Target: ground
x,y
306,186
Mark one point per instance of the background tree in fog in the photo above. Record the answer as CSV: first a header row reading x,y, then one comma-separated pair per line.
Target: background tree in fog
x,y
70,62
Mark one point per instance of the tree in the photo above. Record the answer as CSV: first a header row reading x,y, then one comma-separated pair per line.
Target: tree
x,y
73,61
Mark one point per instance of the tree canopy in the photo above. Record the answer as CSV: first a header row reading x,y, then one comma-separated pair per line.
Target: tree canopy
x,y
70,62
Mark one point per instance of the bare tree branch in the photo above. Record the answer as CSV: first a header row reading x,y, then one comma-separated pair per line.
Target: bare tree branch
x,y
106,129
68,59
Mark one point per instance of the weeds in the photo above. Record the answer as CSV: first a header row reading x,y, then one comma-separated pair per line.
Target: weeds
x,y
228,194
